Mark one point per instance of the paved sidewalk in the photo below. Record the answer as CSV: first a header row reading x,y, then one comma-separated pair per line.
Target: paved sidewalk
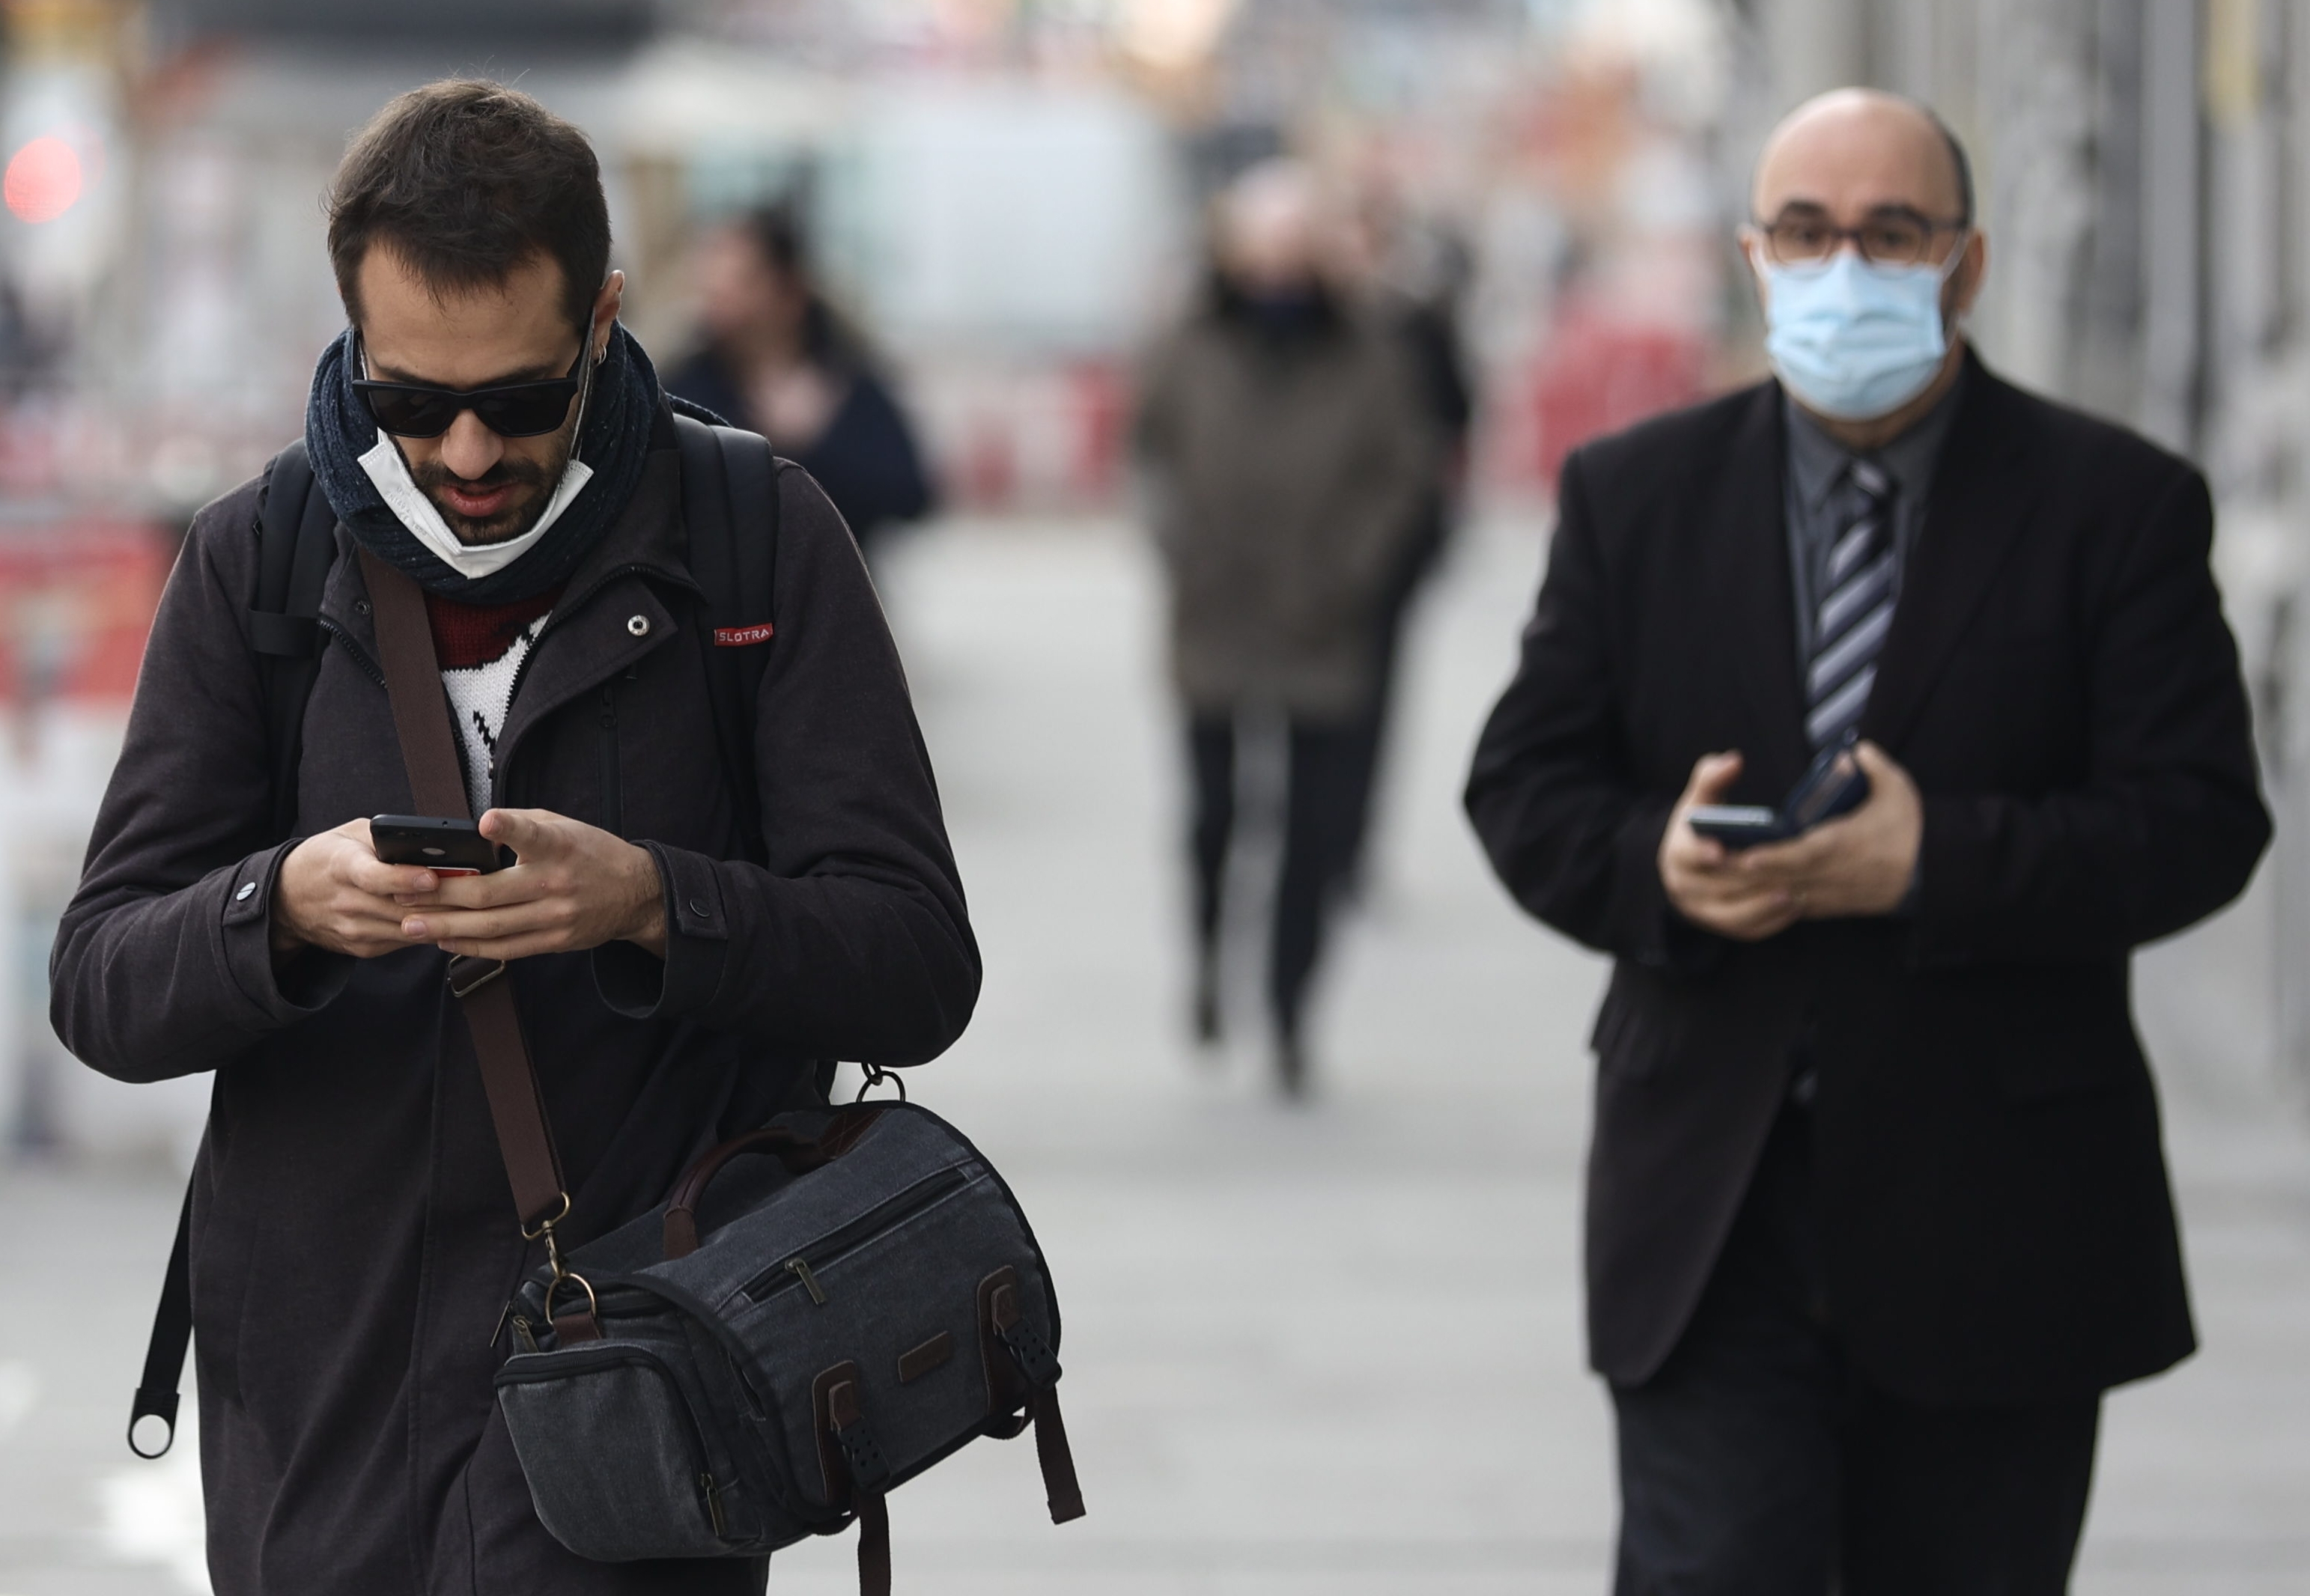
x,y
1331,1350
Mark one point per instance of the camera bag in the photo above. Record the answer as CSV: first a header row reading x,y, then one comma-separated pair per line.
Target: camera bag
x,y
767,1355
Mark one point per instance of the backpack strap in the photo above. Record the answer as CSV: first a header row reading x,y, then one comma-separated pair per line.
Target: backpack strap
x,y
296,544
729,506
172,1332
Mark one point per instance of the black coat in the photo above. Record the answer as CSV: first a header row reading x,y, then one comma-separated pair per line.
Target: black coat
x,y
1993,1210
354,1236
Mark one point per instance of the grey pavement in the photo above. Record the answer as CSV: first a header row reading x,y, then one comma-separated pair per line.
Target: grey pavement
x,y
1333,1349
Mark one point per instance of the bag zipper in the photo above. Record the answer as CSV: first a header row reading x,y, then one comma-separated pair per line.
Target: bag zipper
x,y
800,1269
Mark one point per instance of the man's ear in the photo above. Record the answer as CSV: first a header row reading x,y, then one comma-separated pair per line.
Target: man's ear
x,y
606,305
1964,282
1747,238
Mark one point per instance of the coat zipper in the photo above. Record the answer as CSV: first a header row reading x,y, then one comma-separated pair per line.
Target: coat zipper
x,y
369,667
800,1270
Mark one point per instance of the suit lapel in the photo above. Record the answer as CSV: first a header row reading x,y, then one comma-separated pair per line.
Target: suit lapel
x,y
1748,567
1979,508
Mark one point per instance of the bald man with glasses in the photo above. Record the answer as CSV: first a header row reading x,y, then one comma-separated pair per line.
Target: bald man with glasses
x,y
1877,1208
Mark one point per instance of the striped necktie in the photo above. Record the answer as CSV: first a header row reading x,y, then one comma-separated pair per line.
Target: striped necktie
x,y
1855,611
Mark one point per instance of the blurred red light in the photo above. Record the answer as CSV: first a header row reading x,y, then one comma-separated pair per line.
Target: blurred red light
x,y
42,180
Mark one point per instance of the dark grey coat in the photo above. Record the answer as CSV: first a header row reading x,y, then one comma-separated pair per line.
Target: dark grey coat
x,y
1290,473
354,1236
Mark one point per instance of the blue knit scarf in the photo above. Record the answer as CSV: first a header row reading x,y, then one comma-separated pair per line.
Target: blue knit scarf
x,y
614,442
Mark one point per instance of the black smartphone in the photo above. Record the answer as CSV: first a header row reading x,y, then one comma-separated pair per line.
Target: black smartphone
x,y
445,847
1737,825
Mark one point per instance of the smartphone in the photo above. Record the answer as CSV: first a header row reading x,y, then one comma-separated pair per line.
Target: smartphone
x,y
444,846
1737,825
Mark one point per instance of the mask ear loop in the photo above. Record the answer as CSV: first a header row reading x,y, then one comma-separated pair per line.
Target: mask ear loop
x,y
586,394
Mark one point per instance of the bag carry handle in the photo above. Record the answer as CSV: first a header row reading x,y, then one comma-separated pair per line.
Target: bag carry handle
x,y
436,787
799,1154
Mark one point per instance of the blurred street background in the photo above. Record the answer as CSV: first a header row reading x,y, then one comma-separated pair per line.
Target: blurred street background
x,y
1324,1347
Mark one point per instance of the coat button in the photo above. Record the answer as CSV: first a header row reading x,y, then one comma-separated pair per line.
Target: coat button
x,y
360,606
639,625
247,888
698,908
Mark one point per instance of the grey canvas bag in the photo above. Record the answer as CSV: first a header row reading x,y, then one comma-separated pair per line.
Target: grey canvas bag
x,y
821,1310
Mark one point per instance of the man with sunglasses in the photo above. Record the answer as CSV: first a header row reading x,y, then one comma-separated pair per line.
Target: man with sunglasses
x,y
682,964
1877,1208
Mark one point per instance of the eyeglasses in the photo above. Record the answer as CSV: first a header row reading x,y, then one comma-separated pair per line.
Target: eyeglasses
x,y
510,410
1893,238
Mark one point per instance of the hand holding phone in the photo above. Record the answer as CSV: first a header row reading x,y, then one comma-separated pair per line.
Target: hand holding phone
x,y
1832,785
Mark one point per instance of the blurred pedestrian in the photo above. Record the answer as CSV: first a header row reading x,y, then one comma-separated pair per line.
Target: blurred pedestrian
x,y
777,358
496,487
1877,1207
1290,454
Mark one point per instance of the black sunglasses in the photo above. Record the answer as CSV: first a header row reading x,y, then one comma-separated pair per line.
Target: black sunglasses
x,y
511,410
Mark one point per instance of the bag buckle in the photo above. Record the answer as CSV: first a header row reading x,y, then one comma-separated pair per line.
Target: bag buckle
x,y
467,975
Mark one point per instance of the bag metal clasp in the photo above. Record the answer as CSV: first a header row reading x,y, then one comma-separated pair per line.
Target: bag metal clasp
x,y
467,974
875,1075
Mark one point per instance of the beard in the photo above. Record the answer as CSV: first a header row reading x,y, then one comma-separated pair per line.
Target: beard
x,y
538,477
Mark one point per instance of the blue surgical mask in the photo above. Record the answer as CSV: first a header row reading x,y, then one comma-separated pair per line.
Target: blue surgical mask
x,y
1852,340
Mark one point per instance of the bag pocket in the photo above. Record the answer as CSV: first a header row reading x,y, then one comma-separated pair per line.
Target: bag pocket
x,y
616,1464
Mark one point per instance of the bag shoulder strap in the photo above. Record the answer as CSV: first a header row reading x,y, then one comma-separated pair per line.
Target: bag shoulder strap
x,y
729,508
436,787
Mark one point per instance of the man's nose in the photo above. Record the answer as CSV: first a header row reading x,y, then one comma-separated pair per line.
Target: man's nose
x,y
470,449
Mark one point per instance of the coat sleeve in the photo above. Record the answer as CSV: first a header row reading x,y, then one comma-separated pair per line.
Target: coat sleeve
x,y
2169,821
853,942
1572,836
162,964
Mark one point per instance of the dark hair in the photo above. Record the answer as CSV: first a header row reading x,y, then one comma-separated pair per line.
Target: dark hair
x,y
776,231
778,234
467,180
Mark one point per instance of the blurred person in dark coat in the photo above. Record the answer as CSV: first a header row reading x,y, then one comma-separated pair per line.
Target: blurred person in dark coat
x,y
1877,1207
1290,454
779,359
